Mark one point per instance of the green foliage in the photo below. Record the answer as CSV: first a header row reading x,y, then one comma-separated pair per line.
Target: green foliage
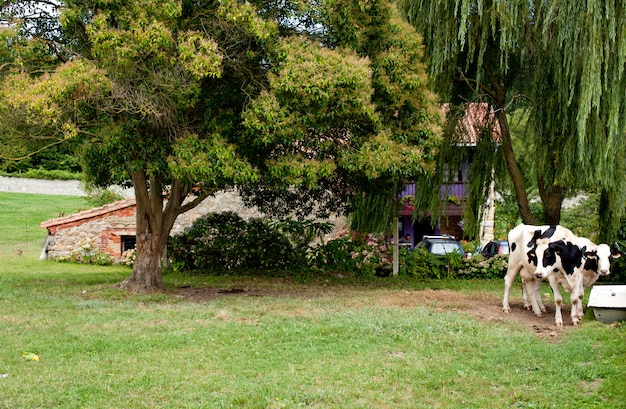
x,y
566,59
97,197
222,242
481,268
45,174
354,253
582,217
301,233
181,97
373,211
337,255
422,264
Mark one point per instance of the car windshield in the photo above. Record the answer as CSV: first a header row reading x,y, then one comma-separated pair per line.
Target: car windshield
x,y
443,248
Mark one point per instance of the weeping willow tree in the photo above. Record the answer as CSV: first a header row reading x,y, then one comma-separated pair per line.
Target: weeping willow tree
x,y
561,61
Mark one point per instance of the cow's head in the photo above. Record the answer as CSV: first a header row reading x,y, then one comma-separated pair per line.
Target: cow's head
x,y
598,260
560,255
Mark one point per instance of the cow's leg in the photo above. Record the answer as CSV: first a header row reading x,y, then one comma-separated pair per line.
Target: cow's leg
x,y
581,307
533,285
538,296
576,297
535,298
531,292
527,305
509,279
558,300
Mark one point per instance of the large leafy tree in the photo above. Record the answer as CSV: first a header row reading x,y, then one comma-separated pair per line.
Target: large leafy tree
x,y
563,62
185,98
364,145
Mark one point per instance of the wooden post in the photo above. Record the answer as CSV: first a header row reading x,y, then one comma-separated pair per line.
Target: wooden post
x,y
396,252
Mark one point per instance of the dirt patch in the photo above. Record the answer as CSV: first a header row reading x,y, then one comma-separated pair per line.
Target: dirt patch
x,y
482,306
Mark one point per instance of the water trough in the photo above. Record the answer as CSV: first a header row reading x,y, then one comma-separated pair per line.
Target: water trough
x,y
608,302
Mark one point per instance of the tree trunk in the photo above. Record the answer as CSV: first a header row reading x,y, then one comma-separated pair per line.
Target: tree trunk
x,y
147,271
514,170
154,221
498,93
552,202
152,229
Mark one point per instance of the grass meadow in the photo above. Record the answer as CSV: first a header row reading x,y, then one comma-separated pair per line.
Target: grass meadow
x,y
312,343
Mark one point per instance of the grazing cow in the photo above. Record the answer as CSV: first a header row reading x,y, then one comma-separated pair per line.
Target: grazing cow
x,y
530,256
597,262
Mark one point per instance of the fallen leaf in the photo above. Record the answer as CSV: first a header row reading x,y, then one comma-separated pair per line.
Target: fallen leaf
x,y
30,356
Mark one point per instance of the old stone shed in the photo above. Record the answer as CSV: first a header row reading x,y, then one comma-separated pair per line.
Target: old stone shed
x,y
109,229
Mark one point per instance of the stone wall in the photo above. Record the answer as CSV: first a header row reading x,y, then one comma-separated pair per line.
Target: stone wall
x,y
223,201
230,200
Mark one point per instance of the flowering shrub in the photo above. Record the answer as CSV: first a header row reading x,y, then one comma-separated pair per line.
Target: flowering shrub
x,y
86,252
128,257
353,252
479,267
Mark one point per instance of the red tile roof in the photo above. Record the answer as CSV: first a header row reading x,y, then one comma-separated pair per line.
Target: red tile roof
x,y
89,214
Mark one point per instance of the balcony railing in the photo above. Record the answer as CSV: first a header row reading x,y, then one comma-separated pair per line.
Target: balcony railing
x,y
447,191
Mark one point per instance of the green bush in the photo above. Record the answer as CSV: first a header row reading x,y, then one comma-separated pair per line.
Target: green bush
x,y
422,264
480,267
46,174
221,242
356,253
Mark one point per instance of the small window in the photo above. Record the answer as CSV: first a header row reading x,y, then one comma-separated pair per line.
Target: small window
x,y
128,243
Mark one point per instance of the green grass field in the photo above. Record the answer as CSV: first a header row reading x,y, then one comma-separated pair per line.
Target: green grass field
x,y
306,344
21,215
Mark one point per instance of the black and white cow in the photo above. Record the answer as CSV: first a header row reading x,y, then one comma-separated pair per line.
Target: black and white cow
x,y
531,256
564,264
597,262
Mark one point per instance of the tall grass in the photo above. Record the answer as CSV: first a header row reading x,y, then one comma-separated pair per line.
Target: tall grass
x,y
339,346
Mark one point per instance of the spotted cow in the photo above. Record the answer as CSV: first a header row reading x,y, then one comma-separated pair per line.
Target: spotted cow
x,y
531,256
596,263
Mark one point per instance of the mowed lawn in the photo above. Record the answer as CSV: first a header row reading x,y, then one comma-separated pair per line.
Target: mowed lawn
x,y
314,343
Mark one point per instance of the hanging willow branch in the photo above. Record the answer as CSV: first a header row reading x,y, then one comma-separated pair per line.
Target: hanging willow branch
x,y
373,212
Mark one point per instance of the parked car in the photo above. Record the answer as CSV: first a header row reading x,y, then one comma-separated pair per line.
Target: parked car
x,y
441,245
495,247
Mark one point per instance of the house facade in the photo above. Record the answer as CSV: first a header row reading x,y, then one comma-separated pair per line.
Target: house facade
x,y
453,193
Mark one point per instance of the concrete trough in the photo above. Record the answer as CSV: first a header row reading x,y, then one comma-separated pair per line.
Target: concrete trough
x,y
608,302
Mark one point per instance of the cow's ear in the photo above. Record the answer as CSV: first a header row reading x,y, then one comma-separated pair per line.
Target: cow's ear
x,y
590,254
616,255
